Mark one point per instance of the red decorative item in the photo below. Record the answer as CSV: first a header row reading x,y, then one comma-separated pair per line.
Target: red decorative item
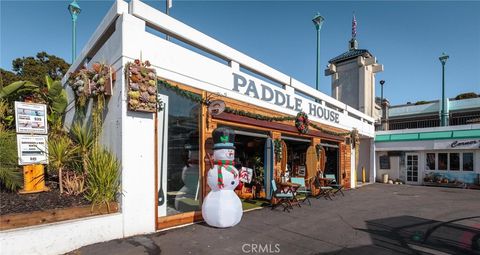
x,y
302,122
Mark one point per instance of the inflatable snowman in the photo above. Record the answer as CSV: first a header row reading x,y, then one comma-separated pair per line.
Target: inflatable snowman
x,y
221,207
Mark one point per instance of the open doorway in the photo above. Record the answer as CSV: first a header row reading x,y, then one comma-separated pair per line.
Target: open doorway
x,y
296,155
249,161
332,159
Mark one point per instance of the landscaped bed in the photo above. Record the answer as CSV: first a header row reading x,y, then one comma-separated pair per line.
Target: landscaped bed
x,y
11,202
81,176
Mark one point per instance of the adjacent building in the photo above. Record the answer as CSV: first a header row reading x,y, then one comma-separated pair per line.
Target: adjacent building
x,y
415,149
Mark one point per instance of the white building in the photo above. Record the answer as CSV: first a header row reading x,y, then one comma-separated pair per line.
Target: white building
x,y
131,31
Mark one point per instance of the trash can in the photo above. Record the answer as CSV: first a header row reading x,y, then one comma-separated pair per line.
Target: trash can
x,y
385,178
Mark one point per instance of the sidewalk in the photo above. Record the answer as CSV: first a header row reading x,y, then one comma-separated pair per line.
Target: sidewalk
x,y
376,219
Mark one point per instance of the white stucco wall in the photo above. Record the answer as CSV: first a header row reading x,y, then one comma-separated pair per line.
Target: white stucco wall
x,y
61,237
364,160
394,170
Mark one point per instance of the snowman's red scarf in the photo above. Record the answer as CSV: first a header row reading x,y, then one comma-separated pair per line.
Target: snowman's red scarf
x,y
228,164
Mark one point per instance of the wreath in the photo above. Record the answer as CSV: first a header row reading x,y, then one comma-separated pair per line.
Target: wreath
x,y
302,122
278,149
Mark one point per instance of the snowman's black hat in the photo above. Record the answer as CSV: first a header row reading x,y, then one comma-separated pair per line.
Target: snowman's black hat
x,y
223,138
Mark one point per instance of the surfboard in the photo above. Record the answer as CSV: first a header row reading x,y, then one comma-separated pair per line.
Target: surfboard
x,y
311,161
268,161
283,162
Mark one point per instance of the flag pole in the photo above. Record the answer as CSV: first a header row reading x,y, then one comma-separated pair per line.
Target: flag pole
x,y
168,5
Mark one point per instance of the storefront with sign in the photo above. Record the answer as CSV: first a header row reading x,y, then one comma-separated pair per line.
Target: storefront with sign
x,y
283,127
441,156
299,145
167,100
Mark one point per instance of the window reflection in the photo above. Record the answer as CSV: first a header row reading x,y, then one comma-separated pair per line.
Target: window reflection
x,y
183,186
430,161
454,161
467,161
442,161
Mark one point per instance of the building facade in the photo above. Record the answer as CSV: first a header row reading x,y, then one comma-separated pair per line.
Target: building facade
x,y
165,155
445,156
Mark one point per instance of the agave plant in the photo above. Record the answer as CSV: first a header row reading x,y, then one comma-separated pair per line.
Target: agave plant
x,y
61,152
103,175
83,136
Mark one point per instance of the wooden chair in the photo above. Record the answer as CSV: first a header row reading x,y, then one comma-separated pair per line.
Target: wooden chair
x,y
283,199
303,190
337,187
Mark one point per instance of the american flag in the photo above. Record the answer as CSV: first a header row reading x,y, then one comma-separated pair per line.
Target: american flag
x,y
354,27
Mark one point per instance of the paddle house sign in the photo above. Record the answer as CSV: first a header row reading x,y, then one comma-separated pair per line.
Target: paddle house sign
x,y
271,94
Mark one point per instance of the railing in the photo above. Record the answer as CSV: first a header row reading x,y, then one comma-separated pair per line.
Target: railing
x,y
159,25
201,42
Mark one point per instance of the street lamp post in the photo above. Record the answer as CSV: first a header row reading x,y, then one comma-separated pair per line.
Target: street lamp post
x,y
74,10
382,106
443,115
381,92
318,21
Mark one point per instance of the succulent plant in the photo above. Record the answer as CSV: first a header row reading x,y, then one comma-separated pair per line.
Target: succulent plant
x,y
151,75
144,97
152,99
97,67
143,87
134,86
134,78
144,71
134,94
151,82
133,103
133,70
152,90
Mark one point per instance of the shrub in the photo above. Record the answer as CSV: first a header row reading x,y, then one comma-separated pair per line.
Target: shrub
x,y
10,176
102,177
73,183
466,95
61,152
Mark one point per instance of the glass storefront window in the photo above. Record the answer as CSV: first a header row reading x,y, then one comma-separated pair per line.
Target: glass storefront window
x,y
454,161
442,161
183,183
430,161
468,161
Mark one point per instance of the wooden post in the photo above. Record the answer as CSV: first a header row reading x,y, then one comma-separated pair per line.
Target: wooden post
x,y
33,179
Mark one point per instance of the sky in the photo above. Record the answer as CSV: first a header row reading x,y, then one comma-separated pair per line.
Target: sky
x,y
407,37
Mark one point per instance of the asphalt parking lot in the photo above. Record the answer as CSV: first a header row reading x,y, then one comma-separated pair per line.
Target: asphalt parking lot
x,y
374,219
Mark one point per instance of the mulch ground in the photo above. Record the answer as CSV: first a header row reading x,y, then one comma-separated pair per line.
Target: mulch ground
x,y
20,203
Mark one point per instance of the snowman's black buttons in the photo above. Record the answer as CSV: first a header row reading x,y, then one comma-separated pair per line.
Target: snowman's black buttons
x,y
233,182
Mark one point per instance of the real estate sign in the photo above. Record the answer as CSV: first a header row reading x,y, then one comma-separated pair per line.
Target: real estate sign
x,y
31,118
32,149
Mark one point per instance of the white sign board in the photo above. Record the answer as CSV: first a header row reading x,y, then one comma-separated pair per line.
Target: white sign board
x,y
458,144
32,149
31,118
